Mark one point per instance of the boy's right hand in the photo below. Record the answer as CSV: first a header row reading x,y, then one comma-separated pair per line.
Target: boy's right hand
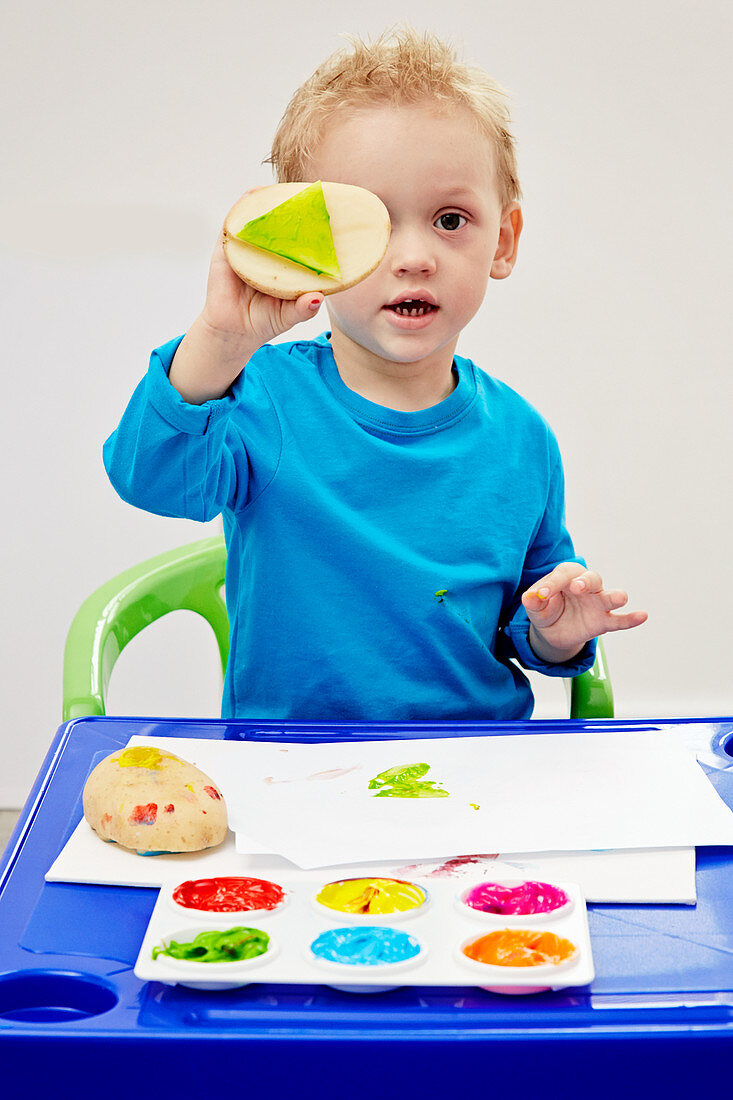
x,y
236,320
235,310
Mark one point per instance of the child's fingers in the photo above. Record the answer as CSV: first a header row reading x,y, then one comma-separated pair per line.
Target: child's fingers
x,y
283,313
307,305
557,581
537,598
586,583
614,599
627,621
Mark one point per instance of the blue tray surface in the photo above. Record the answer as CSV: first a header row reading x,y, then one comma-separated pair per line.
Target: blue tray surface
x,y
668,967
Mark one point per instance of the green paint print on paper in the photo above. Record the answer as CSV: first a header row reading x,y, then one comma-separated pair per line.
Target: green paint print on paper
x,y
299,230
406,781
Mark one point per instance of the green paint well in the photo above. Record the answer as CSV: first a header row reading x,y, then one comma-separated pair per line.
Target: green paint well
x,y
234,945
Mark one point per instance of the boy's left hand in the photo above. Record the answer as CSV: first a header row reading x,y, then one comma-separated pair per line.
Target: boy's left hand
x,y
569,606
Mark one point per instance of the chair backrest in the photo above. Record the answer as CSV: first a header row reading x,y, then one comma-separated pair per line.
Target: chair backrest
x,y
191,578
187,578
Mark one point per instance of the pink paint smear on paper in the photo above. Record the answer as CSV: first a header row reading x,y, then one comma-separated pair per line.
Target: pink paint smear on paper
x,y
335,773
455,866
332,773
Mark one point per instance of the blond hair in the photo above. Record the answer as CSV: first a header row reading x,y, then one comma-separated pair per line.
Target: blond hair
x,y
401,66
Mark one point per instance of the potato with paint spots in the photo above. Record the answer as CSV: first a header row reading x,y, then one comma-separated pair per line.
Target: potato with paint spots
x,y
151,801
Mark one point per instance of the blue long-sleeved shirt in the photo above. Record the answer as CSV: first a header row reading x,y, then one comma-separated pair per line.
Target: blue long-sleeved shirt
x,y
376,558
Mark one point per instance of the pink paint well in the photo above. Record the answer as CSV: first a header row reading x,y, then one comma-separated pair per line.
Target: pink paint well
x,y
522,899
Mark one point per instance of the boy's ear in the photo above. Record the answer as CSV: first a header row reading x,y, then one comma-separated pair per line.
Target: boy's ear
x,y
506,250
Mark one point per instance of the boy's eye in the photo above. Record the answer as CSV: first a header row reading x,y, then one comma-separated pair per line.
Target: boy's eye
x,y
451,221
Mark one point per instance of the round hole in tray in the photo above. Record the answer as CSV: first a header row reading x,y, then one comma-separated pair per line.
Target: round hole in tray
x,y
53,996
726,744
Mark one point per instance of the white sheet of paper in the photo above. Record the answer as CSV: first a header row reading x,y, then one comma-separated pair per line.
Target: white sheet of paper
x,y
658,876
664,875
566,792
87,859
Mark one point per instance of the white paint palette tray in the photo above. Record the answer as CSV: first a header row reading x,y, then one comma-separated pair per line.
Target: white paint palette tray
x,y
433,934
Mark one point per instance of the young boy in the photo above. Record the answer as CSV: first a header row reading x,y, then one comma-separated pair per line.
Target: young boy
x,y
393,515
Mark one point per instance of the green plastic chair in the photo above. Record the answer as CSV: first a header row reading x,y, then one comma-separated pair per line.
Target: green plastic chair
x,y
191,578
187,578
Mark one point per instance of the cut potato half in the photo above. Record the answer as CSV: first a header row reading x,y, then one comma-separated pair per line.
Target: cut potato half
x,y
359,224
152,801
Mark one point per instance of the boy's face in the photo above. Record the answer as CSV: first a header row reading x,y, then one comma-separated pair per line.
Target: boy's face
x,y
435,175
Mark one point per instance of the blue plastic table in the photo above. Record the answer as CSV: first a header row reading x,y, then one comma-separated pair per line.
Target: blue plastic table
x,y
74,1020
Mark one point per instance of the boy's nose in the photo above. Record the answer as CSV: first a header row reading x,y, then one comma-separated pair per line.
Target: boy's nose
x,y
411,253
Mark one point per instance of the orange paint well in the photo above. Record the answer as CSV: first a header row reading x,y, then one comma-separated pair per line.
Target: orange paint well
x,y
520,947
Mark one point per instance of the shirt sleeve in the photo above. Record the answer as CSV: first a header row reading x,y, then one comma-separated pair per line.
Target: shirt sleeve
x,y
551,545
176,459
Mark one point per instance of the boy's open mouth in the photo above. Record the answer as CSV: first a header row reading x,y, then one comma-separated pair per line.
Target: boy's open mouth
x,y
412,307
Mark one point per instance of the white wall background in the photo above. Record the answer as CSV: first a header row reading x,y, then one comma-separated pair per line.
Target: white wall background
x,y
126,132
